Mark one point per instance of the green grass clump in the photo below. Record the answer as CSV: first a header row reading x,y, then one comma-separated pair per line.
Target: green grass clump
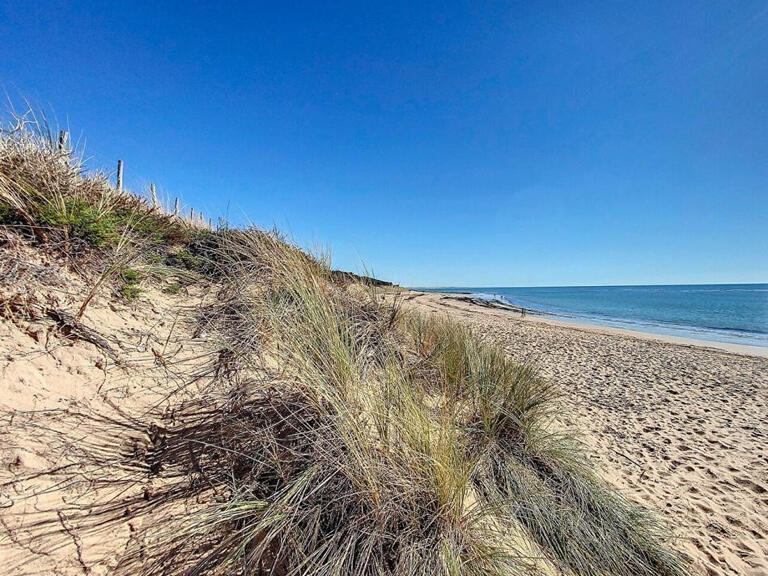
x,y
130,280
79,218
186,260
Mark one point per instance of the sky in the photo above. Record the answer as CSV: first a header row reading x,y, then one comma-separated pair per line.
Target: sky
x,y
431,144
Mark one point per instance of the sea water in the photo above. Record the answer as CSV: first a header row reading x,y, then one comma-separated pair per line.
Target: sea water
x,y
735,313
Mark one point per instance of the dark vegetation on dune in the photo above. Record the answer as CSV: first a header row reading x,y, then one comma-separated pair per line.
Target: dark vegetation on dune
x,y
331,432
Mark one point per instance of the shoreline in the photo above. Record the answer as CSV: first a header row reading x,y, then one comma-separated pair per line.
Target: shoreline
x,y
578,324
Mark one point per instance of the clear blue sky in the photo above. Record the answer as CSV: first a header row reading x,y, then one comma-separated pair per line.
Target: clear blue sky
x,y
461,144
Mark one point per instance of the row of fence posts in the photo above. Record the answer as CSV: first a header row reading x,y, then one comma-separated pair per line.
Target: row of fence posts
x,y
64,143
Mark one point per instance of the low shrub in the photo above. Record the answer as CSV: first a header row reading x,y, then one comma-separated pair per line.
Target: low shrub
x,y
130,281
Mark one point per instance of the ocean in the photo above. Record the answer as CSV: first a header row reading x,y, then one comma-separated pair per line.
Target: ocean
x,y
734,313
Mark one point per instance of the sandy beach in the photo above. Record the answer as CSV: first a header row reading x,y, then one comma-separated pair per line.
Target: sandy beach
x,y
679,426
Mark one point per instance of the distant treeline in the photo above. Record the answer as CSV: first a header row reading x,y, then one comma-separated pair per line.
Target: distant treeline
x,y
342,276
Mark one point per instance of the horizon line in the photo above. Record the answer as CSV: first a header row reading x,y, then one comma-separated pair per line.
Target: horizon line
x,y
593,285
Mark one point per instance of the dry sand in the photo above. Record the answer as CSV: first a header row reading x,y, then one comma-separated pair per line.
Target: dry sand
x,y
48,376
680,428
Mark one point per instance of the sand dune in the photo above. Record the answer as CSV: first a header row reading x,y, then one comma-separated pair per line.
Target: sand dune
x,y
679,428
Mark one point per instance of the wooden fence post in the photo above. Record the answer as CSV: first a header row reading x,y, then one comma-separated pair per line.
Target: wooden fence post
x,y
119,174
176,207
154,195
63,138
